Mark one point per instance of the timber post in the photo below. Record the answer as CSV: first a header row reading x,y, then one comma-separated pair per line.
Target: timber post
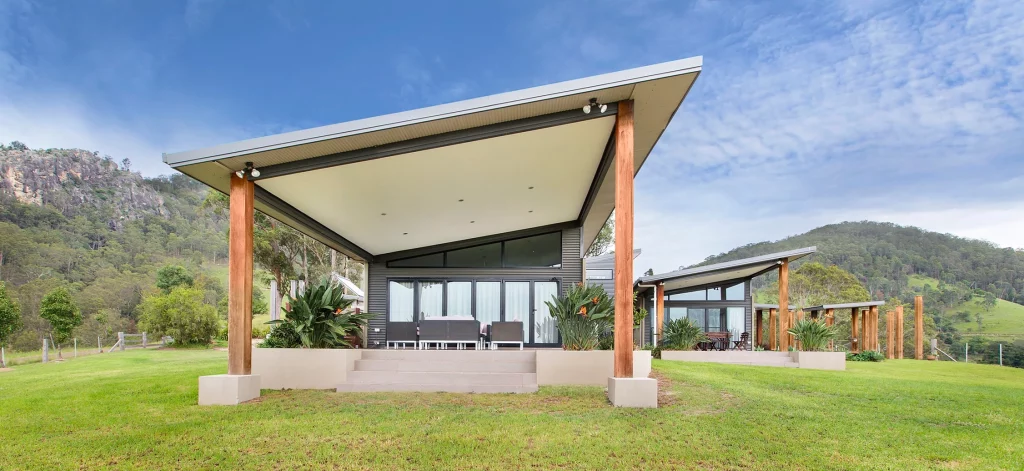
x,y
784,314
624,171
240,248
919,327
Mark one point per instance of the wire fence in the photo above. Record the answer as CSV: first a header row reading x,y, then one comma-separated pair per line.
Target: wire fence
x,y
78,347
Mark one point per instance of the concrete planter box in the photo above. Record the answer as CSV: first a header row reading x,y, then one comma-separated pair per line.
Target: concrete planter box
x,y
820,360
303,368
590,368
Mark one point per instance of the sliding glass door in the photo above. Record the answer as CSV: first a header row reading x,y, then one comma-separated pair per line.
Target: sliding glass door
x,y
517,305
545,331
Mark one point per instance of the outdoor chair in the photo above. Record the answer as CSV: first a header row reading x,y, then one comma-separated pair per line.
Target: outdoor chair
x,y
505,333
433,331
401,333
463,332
742,343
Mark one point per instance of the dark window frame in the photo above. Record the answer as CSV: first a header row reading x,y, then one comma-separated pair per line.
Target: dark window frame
x,y
502,263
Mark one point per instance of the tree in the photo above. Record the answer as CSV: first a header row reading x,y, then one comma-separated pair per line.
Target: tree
x,y
181,314
173,276
604,239
989,301
815,284
18,145
10,319
62,314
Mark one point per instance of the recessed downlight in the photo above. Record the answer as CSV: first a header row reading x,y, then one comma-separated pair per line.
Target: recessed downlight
x,y
461,200
383,214
530,188
531,210
405,233
471,222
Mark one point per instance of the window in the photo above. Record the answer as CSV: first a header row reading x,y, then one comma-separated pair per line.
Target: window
x,y
599,274
700,295
434,260
481,256
735,292
460,298
543,250
735,321
714,294
431,299
696,317
400,301
714,320
488,301
538,251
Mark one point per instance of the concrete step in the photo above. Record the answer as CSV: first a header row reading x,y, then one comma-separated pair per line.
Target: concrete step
x,y
423,365
436,387
480,356
419,377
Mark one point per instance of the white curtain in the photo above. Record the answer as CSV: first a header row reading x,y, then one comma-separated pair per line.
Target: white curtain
x,y
488,302
736,321
517,304
460,298
545,329
400,297
431,299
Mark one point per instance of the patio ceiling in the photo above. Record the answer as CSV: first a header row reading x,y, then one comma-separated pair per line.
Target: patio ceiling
x,y
516,160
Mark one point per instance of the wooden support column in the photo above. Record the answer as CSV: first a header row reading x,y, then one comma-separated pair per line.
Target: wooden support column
x,y
919,327
854,331
899,332
758,327
659,303
830,320
240,226
890,335
784,316
773,329
624,171
874,328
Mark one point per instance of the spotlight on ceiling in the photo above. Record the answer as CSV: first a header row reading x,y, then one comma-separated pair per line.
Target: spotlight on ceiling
x,y
255,173
248,170
594,104
240,174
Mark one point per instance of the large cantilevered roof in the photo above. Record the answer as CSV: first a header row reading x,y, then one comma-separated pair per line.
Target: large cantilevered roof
x,y
725,271
498,164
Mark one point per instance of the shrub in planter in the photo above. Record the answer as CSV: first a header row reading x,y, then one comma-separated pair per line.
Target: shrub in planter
x,y
582,315
319,317
813,335
681,334
869,355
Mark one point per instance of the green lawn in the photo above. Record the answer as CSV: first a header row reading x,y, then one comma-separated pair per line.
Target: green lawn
x,y
137,410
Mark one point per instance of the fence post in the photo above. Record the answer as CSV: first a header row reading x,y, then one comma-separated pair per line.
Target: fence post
x,y
120,339
1000,354
275,308
99,345
3,355
46,350
966,347
76,347
935,346
143,340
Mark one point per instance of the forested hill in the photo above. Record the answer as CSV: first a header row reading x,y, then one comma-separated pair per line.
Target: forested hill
x,y
70,217
883,255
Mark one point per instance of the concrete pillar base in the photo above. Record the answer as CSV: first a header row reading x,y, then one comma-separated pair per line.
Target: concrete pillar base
x,y
228,390
633,392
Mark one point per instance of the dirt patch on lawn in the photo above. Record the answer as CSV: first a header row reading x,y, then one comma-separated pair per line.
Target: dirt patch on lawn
x,y
666,394
4,370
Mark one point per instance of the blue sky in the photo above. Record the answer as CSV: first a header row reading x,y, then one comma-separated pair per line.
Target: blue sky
x,y
806,113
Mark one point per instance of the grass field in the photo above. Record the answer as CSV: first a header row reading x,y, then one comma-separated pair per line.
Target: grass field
x,y
1004,321
137,410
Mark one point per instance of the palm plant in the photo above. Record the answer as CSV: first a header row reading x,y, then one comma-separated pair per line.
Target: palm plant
x,y
814,336
582,314
682,334
319,317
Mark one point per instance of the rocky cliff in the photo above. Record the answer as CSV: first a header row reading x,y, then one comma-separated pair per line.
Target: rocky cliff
x,y
77,182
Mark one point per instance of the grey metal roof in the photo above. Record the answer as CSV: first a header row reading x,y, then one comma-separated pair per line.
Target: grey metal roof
x,y
610,256
731,265
440,112
845,305
770,306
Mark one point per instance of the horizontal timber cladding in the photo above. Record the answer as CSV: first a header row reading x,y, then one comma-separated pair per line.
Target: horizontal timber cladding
x,y
570,272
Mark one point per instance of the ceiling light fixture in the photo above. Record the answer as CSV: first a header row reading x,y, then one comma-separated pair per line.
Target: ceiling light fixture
x,y
249,169
594,104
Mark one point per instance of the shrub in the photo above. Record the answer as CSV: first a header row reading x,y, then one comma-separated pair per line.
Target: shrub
x,y
681,334
318,318
582,315
173,276
869,355
260,332
181,314
10,318
813,335
63,315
